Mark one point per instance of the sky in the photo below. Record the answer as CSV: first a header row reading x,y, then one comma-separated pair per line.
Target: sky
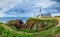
x,y
27,8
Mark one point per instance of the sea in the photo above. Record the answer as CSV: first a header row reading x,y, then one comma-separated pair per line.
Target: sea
x,y
6,19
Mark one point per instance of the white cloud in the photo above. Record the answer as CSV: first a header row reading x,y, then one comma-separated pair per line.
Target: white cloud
x,y
45,3
25,4
8,3
14,14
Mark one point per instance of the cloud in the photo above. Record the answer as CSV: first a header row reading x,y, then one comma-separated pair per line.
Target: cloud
x,y
54,8
56,0
26,8
45,3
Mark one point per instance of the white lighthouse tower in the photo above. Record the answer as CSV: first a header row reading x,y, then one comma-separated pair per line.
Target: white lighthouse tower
x,y
40,13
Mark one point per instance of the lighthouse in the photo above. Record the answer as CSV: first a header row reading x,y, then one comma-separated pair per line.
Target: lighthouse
x,y
40,13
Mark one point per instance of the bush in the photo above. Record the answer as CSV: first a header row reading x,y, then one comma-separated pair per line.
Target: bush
x,y
1,29
1,23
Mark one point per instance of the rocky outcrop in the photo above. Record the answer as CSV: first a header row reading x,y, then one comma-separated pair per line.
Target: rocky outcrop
x,y
29,24
34,24
16,23
40,24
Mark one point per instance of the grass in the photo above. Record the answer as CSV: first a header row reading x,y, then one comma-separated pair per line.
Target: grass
x,y
50,32
6,31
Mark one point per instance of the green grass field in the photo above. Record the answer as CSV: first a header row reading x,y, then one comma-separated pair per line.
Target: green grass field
x,y
6,31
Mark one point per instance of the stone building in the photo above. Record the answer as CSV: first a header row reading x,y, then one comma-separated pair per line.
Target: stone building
x,y
46,15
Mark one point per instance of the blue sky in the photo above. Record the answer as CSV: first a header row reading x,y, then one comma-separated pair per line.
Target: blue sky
x,y
26,8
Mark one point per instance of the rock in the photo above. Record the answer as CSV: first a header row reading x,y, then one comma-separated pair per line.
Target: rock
x,y
16,23
40,24
29,24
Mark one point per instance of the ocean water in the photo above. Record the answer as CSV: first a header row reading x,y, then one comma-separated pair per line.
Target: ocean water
x,y
5,19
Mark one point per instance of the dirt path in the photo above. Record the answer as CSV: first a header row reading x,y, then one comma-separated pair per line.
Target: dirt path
x,y
58,24
58,18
